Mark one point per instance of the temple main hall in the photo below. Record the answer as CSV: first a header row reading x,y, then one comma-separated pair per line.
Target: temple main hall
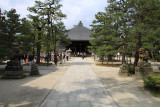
x,y
79,36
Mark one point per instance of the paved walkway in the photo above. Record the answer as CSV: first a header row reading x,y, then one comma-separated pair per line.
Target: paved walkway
x,y
30,91
79,87
126,91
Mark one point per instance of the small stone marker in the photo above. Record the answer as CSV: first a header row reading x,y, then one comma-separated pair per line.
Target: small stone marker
x,y
34,70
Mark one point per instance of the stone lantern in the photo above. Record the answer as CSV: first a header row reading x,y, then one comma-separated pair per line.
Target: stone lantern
x,y
14,69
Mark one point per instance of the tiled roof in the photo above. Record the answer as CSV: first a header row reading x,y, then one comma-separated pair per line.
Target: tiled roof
x,y
79,33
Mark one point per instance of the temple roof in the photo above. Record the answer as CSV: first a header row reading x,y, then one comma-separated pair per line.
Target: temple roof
x,y
79,33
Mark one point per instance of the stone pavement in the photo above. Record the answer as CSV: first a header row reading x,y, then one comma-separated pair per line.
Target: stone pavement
x,y
79,87
126,91
30,91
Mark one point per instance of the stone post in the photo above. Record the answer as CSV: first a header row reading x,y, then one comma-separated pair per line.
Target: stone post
x,y
34,70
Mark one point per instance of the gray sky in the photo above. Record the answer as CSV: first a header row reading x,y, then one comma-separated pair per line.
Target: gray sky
x,y
76,10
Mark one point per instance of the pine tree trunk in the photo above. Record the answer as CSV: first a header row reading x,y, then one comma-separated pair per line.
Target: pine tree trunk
x,y
138,45
48,37
102,60
38,46
112,61
38,52
137,50
123,58
153,55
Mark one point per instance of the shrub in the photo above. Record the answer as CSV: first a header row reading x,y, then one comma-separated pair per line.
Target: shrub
x,y
152,82
131,69
157,56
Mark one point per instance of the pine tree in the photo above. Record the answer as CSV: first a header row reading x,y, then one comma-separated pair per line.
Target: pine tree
x,y
50,13
9,26
151,40
146,21
127,25
4,37
104,36
25,38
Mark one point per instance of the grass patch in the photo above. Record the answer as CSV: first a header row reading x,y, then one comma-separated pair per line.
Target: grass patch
x,y
109,65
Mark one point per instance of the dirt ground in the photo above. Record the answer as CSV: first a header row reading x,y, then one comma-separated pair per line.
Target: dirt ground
x,y
127,91
30,91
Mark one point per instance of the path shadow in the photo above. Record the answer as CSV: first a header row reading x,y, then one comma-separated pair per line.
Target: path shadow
x,y
81,63
19,93
31,97
130,93
124,94
71,98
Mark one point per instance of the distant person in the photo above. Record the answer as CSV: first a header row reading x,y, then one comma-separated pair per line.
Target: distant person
x,y
74,54
25,57
55,59
67,56
82,55
78,54
85,54
31,58
60,58
52,56
63,57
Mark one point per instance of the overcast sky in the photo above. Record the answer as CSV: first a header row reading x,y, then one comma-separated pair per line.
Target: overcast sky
x,y
76,10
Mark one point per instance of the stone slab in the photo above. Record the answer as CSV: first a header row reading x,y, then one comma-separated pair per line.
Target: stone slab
x,y
80,87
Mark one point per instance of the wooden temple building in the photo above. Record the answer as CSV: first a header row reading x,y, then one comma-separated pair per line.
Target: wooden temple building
x,y
79,36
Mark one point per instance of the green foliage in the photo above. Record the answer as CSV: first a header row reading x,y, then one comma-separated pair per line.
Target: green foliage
x,y
152,82
157,57
131,68
126,26
47,24
103,43
4,53
61,31
4,38
10,25
25,43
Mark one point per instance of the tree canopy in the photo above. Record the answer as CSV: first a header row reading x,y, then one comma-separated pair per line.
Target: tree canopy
x,y
40,32
125,27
